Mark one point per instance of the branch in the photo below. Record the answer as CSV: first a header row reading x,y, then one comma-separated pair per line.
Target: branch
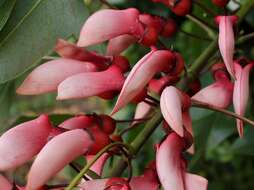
x,y
214,108
245,38
205,26
138,142
82,172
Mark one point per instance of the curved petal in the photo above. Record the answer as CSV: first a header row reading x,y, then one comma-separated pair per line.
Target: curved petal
x,y
78,122
97,167
19,144
71,51
46,77
195,182
227,42
141,74
5,184
142,110
169,163
222,88
171,109
92,84
241,92
119,44
107,24
69,145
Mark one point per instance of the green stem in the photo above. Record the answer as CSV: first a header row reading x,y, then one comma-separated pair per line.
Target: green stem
x,y
214,108
195,36
205,8
203,25
245,38
82,172
138,142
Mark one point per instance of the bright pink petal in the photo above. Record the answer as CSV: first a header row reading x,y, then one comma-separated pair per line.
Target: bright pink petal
x,y
171,109
107,24
5,184
56,154
71,51
241,92
169,163
91,84
19,144
78,122
227,42
117,45
141,74
209,94
195,182
46,77
97,167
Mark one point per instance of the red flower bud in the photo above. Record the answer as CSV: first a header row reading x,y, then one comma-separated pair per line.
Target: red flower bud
x,y
169,28
220,3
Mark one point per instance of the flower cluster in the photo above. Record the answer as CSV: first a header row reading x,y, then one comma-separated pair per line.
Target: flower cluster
x,y
80,73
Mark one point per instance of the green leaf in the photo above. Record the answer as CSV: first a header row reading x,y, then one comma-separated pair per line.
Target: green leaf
x,y
2,2
245,145
27,40
222,128
5,12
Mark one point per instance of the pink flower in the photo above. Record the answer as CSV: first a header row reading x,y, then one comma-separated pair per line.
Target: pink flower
x,y
171,109
19,144
118,44
222,87
152,63
172,103
227,41
142,110
107,24
78,122
241,92
93,84
57,153
46,77
171,166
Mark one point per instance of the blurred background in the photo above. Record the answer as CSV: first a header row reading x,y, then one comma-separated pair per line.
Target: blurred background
x,y
28,36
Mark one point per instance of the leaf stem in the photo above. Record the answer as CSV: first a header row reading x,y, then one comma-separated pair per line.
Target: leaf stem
x,y
205,8
202,24
245,38
214,108
83,171
138,142
132,120
194,36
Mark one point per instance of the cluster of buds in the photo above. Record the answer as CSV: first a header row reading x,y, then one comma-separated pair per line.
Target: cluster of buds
x,y
79,73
